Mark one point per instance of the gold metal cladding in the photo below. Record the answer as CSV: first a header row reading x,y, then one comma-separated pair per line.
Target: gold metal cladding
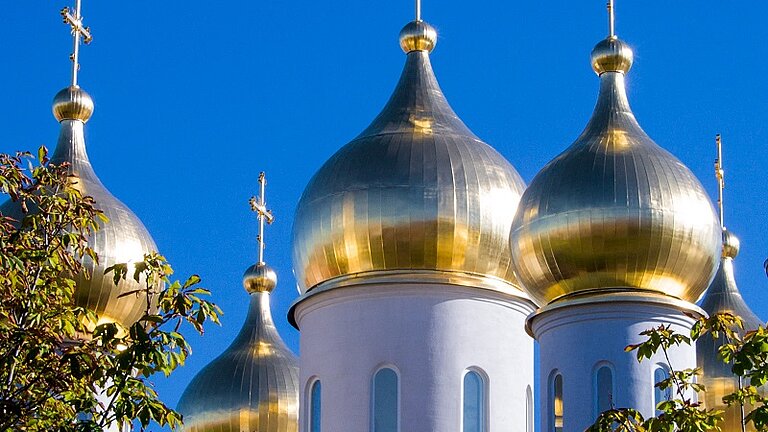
x,y
615,211
72,103
417,190
612,55
418,36
124,239
259,278
252,386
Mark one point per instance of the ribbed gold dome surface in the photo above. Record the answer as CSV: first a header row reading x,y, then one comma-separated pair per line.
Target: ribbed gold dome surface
x,y
124,239
415,197
723,296
614,211
252,386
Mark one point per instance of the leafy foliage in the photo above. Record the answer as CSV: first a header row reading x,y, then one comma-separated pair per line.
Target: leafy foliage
x,y
59,370
748,356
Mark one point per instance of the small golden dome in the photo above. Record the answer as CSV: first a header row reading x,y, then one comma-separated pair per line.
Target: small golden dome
x,y
723,296
615,212
72,103
418,36
731,244
259,278
252,386
612,55
416,197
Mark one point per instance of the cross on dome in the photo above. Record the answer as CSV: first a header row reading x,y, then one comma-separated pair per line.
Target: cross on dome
x,y
259,206
74,19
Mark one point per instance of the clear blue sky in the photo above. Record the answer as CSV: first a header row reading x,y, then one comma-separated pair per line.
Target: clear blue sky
x,y
194,98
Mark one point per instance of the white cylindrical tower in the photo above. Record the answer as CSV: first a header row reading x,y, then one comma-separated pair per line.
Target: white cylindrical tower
x,y
613,237
410,316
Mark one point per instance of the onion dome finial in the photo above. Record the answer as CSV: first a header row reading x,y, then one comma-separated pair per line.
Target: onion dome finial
x,y
72,103
611,54
731,244
418,35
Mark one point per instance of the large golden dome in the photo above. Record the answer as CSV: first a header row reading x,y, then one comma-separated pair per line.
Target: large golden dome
x,y
415,197
254,384
123,239
614,212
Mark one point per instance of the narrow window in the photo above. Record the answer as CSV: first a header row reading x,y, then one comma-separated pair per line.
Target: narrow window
x,y
474,403
385,401
659,395
314,407
603,389
528,409
556,403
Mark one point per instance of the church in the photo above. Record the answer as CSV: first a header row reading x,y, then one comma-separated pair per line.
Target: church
x,y
429,272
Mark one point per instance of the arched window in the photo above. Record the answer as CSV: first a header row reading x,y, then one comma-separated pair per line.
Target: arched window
x,y
603,389
314,407
556,403
474,410
385,402
659,395
528,409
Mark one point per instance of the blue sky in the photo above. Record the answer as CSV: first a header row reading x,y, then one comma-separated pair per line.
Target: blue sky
x,y
194,98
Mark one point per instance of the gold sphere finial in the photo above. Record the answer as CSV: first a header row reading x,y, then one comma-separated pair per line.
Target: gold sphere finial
x,y
72,103
731,244
612,55
259,278
418,36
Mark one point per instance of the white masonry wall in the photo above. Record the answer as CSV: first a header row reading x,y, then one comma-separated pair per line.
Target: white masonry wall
x,y
576,340
431,334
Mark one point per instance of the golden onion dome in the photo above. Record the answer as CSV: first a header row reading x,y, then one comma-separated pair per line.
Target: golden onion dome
x,y
123,239
416,197
253,385
723,296
614,211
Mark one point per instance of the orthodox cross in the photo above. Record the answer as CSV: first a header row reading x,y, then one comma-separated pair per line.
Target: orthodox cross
x,y
720,174
74,19
259,206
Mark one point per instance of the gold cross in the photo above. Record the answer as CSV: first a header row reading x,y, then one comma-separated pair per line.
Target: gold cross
x,y
74,19
720,174
259,206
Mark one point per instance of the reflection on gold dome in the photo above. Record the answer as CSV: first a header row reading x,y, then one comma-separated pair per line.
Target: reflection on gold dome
x,y
415,197
614,212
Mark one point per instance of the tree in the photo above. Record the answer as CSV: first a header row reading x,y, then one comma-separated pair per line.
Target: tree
x,y
59,371
748,355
